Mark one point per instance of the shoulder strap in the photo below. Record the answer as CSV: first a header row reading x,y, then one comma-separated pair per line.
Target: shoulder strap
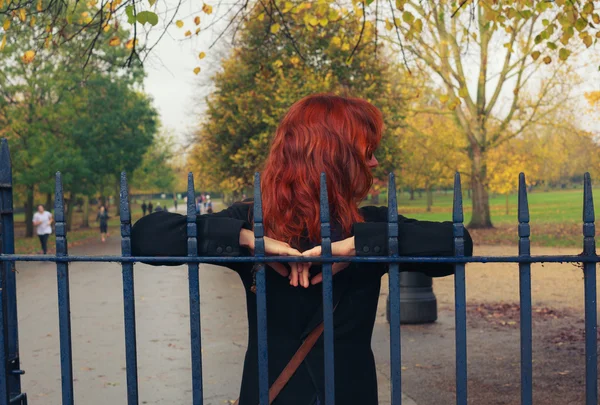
x,y
294,363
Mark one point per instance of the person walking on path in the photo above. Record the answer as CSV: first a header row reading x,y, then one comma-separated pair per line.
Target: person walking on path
x,y
103,217
338,136
150,206
144,207
42,220
175,203
208,205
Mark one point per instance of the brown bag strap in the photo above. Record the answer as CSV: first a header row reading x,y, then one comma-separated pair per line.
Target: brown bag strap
x,y
294,363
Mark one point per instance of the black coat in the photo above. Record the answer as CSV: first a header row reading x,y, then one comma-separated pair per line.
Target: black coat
x,y
293,312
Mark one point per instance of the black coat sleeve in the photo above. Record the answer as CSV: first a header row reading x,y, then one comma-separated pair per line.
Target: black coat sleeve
x,y
165,234
415,238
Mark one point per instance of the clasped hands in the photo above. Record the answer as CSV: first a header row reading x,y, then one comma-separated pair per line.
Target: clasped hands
x,y
299,274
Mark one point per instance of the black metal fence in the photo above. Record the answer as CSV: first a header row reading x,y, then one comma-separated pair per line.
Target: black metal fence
x,y
10,372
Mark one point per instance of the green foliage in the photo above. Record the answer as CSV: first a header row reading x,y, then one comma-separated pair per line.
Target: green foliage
x,y
264,76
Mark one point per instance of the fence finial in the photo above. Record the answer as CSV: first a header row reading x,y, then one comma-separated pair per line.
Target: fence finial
x,y
124,199
5,164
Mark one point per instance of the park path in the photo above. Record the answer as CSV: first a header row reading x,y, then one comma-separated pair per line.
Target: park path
x,y
163,334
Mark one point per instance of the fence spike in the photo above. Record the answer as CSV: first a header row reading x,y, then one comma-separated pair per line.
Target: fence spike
x,y
460,295
525,294
128,296
327,293
5,164
394,294
64,301
590,293
261,296
194,289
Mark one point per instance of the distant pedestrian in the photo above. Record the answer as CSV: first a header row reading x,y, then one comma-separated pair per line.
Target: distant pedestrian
x,y
208,205
150,207
175,203
102,217
144,208
42,220
158,207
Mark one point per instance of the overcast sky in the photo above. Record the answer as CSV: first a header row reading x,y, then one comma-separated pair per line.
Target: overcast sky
x,y
177,92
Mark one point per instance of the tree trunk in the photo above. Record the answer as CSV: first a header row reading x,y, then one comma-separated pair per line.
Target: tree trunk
x,y
86,212
29,212
412,194
420,193
49,206
469,192
507,212
480,199
429,199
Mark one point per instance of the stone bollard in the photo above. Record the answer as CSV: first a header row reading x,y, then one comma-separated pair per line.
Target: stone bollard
x,y
417,301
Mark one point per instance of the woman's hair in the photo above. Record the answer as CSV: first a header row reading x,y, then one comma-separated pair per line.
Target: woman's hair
x,y
320,133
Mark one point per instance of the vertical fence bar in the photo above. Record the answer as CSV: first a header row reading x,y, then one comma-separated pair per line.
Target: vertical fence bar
x,y
128,296
394,286
10,283
460,300
261,297
64,302
589,273
327,295
525,295
5,233
194,281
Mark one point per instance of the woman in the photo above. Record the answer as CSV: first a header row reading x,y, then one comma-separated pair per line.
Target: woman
x,y
102,217
338,136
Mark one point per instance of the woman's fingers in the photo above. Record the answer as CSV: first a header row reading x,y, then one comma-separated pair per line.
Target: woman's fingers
x,y
294,277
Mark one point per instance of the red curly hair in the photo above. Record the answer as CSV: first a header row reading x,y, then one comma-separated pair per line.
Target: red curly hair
x,y
320,133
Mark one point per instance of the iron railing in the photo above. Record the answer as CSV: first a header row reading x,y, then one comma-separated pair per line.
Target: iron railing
x,y
10,387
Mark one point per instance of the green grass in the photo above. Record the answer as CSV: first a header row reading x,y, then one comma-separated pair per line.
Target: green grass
x,y
555,216
551,207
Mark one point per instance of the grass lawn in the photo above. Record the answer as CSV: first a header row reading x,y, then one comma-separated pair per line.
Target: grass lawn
x,y
556,219
555,216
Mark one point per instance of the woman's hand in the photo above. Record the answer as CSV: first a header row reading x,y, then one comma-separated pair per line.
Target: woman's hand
x,y
274,247
344,247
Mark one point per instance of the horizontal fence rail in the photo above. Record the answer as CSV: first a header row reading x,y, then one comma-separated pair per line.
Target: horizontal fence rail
x,y
10,388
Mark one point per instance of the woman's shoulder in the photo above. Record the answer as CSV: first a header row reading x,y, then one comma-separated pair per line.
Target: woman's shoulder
x,y
372,213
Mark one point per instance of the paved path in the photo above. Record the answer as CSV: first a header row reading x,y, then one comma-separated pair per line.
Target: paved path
x,y
162,329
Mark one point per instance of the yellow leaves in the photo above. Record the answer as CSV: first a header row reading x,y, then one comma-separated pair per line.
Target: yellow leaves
x,y
277,64
563,54
106,28
388,25
32,21
114,41
28,56
547,60
463,92
179,23
261,17
336,41
196,70
535,55
197,30
275,28
188,33
130,44
3,43
311,20
418,26
444,98
408,17
587,40
323,22
6,24
202,55
22,14
197,20
593,98
207,9
295,60
346,46
288,6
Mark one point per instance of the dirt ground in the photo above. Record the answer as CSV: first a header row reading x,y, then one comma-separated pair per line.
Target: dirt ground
x,y
493,336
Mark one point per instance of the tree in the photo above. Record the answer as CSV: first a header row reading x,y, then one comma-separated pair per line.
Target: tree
x,y
155,173
264,76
